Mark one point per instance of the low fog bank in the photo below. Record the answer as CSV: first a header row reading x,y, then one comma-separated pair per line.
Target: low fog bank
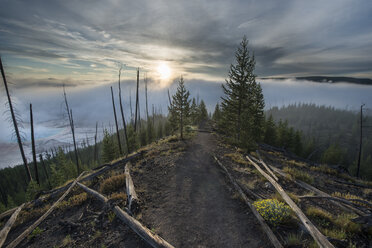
x,y
94,104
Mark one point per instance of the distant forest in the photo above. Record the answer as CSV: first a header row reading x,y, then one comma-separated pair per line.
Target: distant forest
x,y
329,135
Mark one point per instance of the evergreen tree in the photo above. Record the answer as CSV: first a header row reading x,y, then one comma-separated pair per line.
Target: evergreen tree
x,y
194,112
151,136
298,143
180,107
270,132
203,113
2,208
333,155
32,190
217,114
243,101
109,150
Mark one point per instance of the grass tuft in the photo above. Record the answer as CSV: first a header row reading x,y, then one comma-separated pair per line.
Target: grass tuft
x,y
298,175
112,184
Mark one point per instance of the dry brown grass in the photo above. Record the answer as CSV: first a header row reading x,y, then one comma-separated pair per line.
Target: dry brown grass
x,y
237,158
112,184
294,173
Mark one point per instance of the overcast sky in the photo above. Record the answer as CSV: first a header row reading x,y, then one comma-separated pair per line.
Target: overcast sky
x,y
47,43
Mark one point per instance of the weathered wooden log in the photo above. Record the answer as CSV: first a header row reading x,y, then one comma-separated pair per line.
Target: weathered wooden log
x,y
249,191
266,167
95,174
337,199
7,213
133,201
8,225
353,184
151,238
314,232
19,239
274,240
311,188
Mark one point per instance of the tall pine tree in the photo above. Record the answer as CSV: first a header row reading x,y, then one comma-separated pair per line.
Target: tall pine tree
x,y
180,107
243,102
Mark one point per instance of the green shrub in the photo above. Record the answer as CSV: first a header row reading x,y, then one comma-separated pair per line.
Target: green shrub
x,y
36,232
273,211
321,217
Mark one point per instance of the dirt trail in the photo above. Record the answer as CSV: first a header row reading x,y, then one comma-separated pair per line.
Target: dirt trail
x,y
195,207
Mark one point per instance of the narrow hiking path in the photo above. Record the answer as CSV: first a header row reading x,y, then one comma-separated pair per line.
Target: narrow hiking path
x,y
193,205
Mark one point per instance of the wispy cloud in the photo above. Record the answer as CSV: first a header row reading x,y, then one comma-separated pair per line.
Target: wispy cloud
x,y
197,38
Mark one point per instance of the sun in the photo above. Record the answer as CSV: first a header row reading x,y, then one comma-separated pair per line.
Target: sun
x,y
164,71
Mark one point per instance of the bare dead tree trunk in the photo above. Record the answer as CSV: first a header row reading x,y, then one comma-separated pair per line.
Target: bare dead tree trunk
x,y
95,143
169,98
361,138
153,116
116,121
33,146
71,120
131,109
75,146
147,106
122,115
28,173
45,170
136,113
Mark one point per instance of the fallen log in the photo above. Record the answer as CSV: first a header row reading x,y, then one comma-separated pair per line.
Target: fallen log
x,y
314,232
4,232
133,202
353,184
151,238
311,188
249,191
337,199
7,213
107,167
274,240
266,167
18,240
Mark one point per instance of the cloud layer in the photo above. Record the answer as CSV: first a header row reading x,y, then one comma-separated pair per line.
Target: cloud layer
x,y
84,41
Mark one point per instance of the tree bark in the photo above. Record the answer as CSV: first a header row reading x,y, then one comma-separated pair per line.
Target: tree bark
x,y
33,146
133,202
15,124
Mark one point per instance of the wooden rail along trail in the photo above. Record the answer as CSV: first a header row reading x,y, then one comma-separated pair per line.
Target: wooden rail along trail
x,y
133,205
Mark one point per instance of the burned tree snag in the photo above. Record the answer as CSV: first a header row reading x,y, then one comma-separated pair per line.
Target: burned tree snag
x,y
33,146
71,121
122,115
136,113
147,106
16,130
116,121
95,143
